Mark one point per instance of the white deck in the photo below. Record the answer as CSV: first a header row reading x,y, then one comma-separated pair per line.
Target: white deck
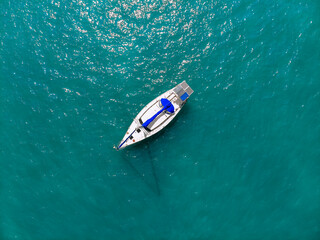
x,y
150,110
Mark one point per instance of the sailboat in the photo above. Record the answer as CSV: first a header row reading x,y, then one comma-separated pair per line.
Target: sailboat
x,y
156,115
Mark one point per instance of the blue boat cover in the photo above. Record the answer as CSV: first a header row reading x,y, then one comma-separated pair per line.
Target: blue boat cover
x,y
167,105
184,96
165,102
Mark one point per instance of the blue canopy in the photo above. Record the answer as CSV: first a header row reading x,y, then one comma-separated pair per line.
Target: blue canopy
x,y
167,105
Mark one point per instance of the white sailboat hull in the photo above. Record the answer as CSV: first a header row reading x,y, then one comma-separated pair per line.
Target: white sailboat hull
x,y
136,132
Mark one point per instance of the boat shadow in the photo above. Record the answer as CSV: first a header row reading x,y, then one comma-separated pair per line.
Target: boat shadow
x,y
141,158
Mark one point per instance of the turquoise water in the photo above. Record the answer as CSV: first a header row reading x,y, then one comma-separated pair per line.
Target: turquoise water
x,y
241,161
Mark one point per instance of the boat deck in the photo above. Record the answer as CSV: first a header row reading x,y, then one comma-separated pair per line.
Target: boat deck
x,y
161,119
136,132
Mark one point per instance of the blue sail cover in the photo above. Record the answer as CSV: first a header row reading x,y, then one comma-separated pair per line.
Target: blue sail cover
x,y
167,105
